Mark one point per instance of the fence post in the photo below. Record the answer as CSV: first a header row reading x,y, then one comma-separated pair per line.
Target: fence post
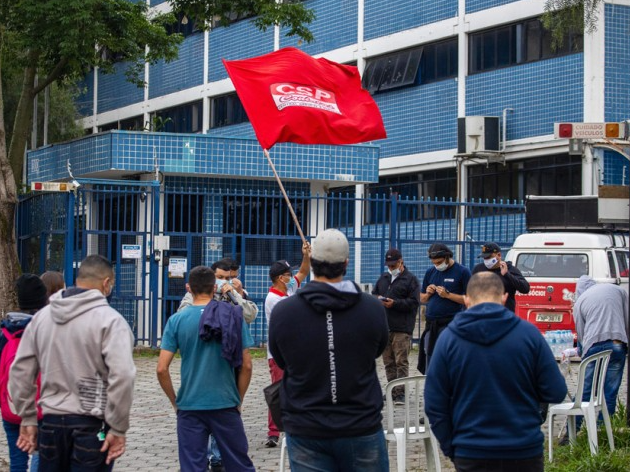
x,y
68,253
393,220
154,267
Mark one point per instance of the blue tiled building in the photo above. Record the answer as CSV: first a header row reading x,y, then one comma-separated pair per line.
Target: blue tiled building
x,y
426,62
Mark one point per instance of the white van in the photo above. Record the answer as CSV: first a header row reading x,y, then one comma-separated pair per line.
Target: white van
x,y
553,261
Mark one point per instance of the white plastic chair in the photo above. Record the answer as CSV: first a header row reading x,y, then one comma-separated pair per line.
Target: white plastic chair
x,y
415,426
590,409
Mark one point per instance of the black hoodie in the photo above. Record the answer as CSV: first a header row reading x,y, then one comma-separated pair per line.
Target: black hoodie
x,y
327,338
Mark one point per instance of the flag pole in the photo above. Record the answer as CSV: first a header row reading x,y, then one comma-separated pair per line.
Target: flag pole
x,y
286,198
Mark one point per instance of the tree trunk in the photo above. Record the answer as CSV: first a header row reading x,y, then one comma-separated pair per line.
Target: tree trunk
x,y
23,118
9,265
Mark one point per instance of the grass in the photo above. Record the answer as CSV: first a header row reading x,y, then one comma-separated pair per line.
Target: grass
x,y
579,458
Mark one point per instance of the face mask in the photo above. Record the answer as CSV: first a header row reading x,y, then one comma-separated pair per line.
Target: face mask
x,y
394,273
221,283
442,267
291,283
489,263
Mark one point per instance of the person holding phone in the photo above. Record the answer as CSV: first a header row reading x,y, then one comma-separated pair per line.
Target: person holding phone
x,y
397,289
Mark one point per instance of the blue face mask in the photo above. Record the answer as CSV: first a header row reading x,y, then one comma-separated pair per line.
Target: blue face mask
x,y
291,283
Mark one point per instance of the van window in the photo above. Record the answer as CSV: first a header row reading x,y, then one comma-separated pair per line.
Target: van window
x,y
552,265
622,263
611,264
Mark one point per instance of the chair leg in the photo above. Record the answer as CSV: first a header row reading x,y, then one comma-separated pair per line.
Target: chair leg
x,y
283,450
550,436
572,429
432,454
608,425
401,451
590,421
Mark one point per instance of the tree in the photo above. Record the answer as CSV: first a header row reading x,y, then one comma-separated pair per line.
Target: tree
x,y
60,40
564,16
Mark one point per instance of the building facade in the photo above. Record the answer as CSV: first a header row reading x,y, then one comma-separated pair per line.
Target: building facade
x,y
427,63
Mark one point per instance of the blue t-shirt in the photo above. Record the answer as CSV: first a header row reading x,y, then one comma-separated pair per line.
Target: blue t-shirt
x,y
208,381
454,279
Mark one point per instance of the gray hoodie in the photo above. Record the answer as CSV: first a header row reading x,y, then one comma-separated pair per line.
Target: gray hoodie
x,y
83,349
600,313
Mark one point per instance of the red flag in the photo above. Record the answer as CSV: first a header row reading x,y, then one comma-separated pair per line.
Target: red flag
x,y
291,97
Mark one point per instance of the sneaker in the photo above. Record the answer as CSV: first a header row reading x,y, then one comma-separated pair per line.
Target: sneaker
x,y
217,467
272,441
399,400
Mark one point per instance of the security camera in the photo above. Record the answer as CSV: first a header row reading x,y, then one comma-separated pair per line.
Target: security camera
x,y
76,183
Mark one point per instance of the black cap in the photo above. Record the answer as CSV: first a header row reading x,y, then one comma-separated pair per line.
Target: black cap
x,y
279,268
31,292
392,256
437,250
488,249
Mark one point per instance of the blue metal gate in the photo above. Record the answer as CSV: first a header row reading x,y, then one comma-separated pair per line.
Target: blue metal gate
x,y
155,234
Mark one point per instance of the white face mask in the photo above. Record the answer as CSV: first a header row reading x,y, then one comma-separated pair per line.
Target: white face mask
x,y
221,283
393,273
489,263
442,267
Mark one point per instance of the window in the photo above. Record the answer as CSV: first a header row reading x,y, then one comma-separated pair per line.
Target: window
x,y
436,185
549,175
518,43
183,25
419,65
227,110
181,119
552,265
264,223
622,263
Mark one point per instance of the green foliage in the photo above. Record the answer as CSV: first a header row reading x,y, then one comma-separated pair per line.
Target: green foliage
x,y
564,16
579,458
289,14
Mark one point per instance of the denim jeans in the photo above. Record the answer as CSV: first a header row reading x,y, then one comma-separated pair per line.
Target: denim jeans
x,y
18,458
71,443
214,454
359,453
614,375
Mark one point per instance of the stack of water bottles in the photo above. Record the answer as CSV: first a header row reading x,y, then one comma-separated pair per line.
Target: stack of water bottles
x,y
559,340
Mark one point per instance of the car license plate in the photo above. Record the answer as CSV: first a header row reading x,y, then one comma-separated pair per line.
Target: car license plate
x,y
549,317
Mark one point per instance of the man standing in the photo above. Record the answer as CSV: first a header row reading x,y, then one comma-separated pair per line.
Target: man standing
x,y
512,278
229,289
489,372
397,289
83,349
443,290
210,394
601,322
284,284
327,339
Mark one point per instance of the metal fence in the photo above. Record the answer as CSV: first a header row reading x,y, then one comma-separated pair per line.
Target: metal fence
x,y
155,235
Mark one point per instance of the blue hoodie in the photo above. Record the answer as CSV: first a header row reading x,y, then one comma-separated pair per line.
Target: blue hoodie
x,y
488,374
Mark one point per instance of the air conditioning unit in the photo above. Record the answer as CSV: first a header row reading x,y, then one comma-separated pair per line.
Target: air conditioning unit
x,y
477,134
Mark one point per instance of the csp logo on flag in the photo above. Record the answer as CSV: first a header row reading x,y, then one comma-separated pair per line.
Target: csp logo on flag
x,y
294,95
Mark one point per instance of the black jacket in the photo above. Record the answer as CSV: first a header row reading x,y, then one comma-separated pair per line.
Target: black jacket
x,y
327,342
405,289
513,281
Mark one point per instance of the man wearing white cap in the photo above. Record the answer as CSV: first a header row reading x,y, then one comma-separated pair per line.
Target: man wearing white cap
x,y
327,339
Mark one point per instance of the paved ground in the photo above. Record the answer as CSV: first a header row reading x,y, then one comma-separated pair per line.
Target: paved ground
x,y
152,442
